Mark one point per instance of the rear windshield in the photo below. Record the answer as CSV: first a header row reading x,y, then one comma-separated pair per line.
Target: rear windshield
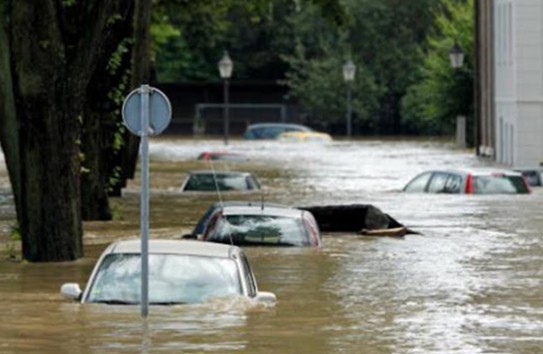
x,y
499,184
223,183
261,230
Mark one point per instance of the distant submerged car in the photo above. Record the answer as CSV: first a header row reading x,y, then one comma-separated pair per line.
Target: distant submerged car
x,y
221,156
534,177
180,272
210,181
305,137
272,130
469,181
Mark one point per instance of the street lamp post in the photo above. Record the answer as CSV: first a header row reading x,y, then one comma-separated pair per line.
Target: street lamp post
x,y
456,56
225,69
349,71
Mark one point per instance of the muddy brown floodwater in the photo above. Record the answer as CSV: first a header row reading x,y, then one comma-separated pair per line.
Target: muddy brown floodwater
x,y
471,282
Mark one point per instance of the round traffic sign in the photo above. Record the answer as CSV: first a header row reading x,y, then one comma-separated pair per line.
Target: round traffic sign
x,y
159,114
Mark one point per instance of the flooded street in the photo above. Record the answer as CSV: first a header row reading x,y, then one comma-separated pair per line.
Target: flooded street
x,y
470,282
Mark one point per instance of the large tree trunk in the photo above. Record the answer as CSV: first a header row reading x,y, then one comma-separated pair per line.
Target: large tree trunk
x,y
9,137
141,61
54,49
94,176
102,122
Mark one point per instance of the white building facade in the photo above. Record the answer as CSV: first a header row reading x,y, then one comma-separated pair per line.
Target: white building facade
x,y
518,77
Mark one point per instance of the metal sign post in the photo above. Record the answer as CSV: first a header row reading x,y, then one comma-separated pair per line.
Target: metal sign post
x,y
146,112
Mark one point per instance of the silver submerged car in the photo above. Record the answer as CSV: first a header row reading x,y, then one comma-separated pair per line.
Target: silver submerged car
x,y
180,272
469,181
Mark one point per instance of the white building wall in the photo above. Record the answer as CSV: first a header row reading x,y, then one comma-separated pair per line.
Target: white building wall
x,y
506,80
519,82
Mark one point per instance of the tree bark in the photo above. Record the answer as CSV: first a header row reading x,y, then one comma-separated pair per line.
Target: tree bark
x,y
141,62
54,50
102,116
8,117
94,172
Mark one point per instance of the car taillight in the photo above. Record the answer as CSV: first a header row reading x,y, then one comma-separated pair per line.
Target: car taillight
x,y
469,184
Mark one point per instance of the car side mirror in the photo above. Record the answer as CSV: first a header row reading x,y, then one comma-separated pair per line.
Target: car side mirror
x,y
266,297
71,291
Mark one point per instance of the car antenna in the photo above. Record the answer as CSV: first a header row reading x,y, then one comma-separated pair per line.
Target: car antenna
x,y
262,202
220,198
216,183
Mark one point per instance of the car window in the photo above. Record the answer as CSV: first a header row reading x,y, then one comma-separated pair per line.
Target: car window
x,y
260,230
499,184
249,277
437,182
418,184
453,184
172,279
252,182
206,182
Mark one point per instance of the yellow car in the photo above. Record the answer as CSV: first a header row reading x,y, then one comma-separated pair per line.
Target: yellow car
x,y
305,137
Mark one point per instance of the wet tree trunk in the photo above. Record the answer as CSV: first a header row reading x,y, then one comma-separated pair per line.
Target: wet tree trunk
x,y
102,123
54,49
94,171
8,118
127,158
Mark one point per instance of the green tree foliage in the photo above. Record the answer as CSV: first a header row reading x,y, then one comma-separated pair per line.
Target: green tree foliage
x,y
315,76
190,36
441,93
384,39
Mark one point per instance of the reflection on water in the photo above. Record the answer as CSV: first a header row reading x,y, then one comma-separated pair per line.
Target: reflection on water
x,y
470,283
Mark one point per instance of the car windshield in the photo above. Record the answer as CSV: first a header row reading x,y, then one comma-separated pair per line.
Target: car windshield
x,y
172,279
201,182
262,230
499,184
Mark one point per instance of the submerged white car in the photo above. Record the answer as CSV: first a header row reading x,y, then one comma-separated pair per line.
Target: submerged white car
x,y
180,272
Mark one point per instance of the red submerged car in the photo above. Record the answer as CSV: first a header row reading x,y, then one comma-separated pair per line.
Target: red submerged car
x,y
221,156
469,181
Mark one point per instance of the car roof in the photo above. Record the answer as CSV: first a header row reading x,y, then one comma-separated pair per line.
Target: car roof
x,y
221,173
480,171
258,210
304,134
267,125
186,247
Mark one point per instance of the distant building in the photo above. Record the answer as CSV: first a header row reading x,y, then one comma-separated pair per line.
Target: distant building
x,y
510,81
